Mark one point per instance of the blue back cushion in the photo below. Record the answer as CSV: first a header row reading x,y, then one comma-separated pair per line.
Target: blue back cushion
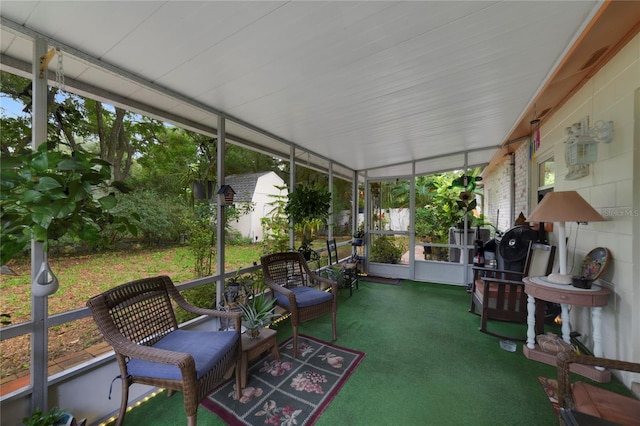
x,y
206,348
305,296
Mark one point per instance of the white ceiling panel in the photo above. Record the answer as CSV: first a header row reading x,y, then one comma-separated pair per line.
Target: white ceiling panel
x,y
367,84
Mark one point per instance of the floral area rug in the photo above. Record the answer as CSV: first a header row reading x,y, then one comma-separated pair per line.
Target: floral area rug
x,y
550,387
289,391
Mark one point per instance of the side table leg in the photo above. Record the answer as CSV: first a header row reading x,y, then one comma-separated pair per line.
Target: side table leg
x,y
566,330
243,370
596,320
275,352
531,322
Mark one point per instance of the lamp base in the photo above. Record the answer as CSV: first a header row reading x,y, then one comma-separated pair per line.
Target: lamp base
x,y
560,279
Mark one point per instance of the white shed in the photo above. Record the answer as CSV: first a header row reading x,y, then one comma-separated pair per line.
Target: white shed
x,y
257,188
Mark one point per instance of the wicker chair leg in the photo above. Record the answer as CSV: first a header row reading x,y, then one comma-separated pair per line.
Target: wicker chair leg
x,y
124,400
192,420
295,341
333,326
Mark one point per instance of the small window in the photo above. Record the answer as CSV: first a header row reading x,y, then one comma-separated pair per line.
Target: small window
x,y
546,174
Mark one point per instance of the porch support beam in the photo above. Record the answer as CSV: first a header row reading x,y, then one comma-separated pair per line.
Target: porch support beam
x,y
220,152
332,215
292,187
39,304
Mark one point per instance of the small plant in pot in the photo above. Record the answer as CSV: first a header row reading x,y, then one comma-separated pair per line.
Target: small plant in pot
x,y
257,313
358,236
53,417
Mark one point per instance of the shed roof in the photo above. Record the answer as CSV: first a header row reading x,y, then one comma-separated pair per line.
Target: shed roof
x,y
244,185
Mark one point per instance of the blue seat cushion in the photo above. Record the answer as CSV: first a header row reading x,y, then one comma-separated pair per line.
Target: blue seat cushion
x,y
206,347
305,296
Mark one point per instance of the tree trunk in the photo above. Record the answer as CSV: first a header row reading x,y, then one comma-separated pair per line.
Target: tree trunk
x,y
115,146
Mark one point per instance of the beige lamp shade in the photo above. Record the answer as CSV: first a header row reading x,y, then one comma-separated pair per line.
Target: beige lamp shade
x,y
564,206
561,207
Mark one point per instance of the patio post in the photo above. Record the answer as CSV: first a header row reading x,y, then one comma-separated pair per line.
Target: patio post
x,y
220,243
39,304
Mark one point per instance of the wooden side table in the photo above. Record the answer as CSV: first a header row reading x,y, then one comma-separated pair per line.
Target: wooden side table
x,y
594,298
251,348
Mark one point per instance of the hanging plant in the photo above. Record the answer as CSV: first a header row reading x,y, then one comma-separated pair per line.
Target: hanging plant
x,y
49,194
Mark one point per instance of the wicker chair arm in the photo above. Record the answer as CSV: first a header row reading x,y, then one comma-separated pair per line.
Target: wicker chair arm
x,y
480,273
564,361
182,302
277,288
486,281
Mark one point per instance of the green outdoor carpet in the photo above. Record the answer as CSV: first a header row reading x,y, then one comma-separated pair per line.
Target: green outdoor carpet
x,y
426,364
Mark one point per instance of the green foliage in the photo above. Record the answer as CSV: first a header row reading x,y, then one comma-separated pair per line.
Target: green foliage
x,y
275,225
258,312
40,418
49,194
203,296
202,236
309,207
334,273
385,250
164,166
160,219
442,201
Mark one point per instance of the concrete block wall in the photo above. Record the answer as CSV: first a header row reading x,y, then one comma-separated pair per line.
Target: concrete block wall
x,y
612,187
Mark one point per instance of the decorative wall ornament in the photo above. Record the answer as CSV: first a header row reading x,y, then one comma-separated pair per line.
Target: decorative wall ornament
x,y
534,135
582,146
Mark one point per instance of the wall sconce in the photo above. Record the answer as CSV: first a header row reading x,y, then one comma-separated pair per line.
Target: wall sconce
x,y
582,145
226,194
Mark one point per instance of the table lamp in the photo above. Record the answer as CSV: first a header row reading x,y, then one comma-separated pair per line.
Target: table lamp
x,y
561,207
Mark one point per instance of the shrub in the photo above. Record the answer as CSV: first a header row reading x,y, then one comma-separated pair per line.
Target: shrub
x,y
385,250
160,217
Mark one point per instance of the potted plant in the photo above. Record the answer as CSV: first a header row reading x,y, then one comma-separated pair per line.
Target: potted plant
x,y
308,207
237,289
257,313
53,417
334,273
358,236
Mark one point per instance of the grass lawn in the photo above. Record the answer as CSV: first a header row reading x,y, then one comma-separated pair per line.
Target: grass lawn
x,y
85,275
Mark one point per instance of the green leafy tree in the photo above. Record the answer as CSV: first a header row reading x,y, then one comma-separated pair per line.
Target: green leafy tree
x,y
46,195
309,207
81,125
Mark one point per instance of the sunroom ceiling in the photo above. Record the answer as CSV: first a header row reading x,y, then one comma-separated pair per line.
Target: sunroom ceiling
x,y
369,84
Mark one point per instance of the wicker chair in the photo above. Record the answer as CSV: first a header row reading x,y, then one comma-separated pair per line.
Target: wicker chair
x,y
590,400
137,319
299,290
499,294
